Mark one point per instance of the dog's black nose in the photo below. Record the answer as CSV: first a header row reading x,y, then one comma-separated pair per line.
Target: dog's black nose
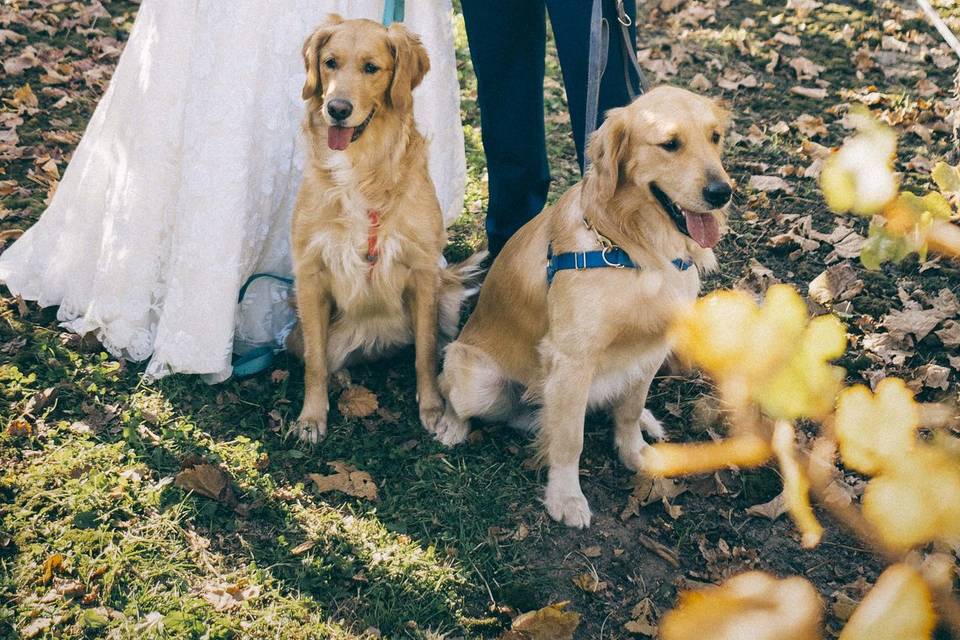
x,y
717,193
339,109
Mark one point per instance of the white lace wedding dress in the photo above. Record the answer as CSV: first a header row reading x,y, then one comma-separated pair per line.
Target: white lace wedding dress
x,y
184,181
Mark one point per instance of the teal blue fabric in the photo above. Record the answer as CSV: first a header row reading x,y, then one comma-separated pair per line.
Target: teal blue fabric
x,y
393,11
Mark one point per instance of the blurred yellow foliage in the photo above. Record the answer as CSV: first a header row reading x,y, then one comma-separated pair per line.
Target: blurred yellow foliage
x,y
672,459
773,354
916,500
796,487
897,608
750,606
914,496
859,178
876,429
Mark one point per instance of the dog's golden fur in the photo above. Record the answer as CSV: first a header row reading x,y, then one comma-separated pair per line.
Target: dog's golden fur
x,y
347,307
594,338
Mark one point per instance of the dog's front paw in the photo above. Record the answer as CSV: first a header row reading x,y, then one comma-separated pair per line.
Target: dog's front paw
x,y
652,426
430,415
310,429
450,429
571,510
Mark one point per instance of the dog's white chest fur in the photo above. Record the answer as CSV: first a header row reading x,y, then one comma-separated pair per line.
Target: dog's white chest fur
x,y
367,286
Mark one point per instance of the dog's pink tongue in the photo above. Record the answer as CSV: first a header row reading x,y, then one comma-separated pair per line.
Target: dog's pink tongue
x,y
338,138
703,228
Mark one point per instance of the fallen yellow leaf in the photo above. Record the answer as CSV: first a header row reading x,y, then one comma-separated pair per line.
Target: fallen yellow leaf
x,y
552,622
346,480
205,479
53,564
357,402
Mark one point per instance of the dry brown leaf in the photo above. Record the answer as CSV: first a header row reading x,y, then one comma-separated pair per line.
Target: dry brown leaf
x,y
786,38
950,333
700,82
589,582
593,552
229,597
553,622
648,490
35,628
303,547
780,128
357,402
26,60
769,184
770,510
920,164
204,479
814,93
731,80
643,620
843,606
810,126
934,376
839,282
771,66
24,99
889,43
887,348
755,135
669,5
912,321
927,88
10,234
667,554
10,36
838,492
346,480
805,68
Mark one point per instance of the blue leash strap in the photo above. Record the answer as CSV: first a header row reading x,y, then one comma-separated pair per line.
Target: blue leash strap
x,y
259,359
393,11
257,276
596,63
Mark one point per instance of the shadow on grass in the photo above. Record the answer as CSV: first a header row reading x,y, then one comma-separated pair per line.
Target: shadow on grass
x,y
423,557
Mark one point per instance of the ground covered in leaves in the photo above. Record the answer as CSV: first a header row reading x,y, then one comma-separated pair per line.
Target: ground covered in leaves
x,y
176,509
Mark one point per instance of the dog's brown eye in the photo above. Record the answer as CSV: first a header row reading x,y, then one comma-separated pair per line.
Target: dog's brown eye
x,y
370,68
672,144
330,63
715,138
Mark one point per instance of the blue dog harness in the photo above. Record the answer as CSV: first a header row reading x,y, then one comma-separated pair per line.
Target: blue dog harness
x,y
609,257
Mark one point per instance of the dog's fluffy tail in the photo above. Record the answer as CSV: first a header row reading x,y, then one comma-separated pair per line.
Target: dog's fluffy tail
x,y
458,282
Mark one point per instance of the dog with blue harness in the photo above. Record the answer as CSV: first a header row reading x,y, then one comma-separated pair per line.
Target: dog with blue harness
x,y
575,312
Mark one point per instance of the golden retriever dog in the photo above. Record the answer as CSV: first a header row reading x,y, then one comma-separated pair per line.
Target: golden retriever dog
x,y
367,230
655,196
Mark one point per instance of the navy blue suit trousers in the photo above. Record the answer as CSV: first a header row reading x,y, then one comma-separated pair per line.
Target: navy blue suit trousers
x,y
508,47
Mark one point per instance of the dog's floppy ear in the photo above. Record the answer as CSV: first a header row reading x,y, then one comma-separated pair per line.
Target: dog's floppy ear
x,y
605,151
410,64
721,108
311,55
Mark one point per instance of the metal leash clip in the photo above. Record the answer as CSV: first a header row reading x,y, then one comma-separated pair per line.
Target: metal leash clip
x,y
606,245
622,16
